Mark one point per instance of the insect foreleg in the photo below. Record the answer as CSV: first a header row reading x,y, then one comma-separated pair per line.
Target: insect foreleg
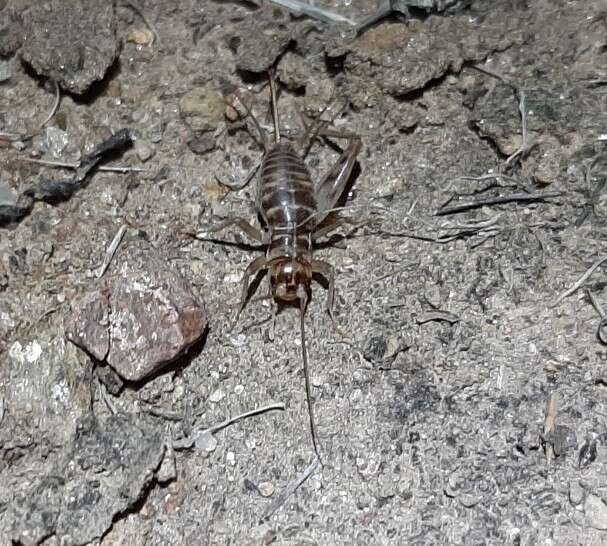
x,y
257,265
328,272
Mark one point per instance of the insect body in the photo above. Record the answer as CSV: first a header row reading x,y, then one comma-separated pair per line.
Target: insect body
x,y
293,208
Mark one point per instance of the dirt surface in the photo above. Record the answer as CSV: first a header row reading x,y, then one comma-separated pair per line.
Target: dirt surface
x,y
459,400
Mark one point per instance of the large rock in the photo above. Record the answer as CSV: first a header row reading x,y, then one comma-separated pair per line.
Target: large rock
x,y
73,43
140,317
45,386
260,39
100,473
399,59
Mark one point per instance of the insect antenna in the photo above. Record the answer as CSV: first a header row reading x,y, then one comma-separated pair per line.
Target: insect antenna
x,y
302,308
274,107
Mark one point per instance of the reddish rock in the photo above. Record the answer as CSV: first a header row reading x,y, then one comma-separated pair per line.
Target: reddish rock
x,y
141,316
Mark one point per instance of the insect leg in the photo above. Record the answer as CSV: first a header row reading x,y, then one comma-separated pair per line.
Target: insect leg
x,y
332,186
325,230
249,113
257,265
326,270
241,223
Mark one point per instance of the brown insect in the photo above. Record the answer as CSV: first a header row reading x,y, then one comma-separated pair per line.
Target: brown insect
x,y
293,210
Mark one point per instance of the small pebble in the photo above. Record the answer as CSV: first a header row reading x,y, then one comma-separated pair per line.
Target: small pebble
x,y
140,36
266,489
144,150
596,512
576,493
168,468
234,277
6,70
231,458
206,443
217,396
238,389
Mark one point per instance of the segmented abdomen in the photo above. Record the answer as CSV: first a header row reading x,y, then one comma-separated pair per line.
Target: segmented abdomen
x,y
286,193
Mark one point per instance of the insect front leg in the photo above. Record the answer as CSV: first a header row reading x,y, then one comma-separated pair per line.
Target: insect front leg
x,y
257,265
328,272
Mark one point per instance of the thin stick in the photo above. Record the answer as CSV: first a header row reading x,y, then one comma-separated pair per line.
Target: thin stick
x,y
304,352
187,443
274,107
550,426
252,413
315,12
515,197
55,104
580,282
495,75
595,303
290,489
522,106
111,251
65,165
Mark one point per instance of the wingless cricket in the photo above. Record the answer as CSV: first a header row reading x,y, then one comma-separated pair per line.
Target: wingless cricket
x,y
293,210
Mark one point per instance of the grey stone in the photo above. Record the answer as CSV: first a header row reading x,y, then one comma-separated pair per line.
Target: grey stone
x,y
7,195
53,141
596,512
141,317
261,40
101,473
294,71
6,70
73,43
266,489
576,492
11,32
168,468
202,109
144,150
398,59
45,384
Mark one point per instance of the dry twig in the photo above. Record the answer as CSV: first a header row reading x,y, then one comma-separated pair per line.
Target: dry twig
x,y
187,443
66,165
513,198
111,251
580,281
55,104
290,489
550,427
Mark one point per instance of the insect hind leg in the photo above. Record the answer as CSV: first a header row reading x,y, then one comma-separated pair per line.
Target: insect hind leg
x,y
333,184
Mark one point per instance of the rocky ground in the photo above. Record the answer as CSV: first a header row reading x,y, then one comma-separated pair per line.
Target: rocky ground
x,y
461,394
